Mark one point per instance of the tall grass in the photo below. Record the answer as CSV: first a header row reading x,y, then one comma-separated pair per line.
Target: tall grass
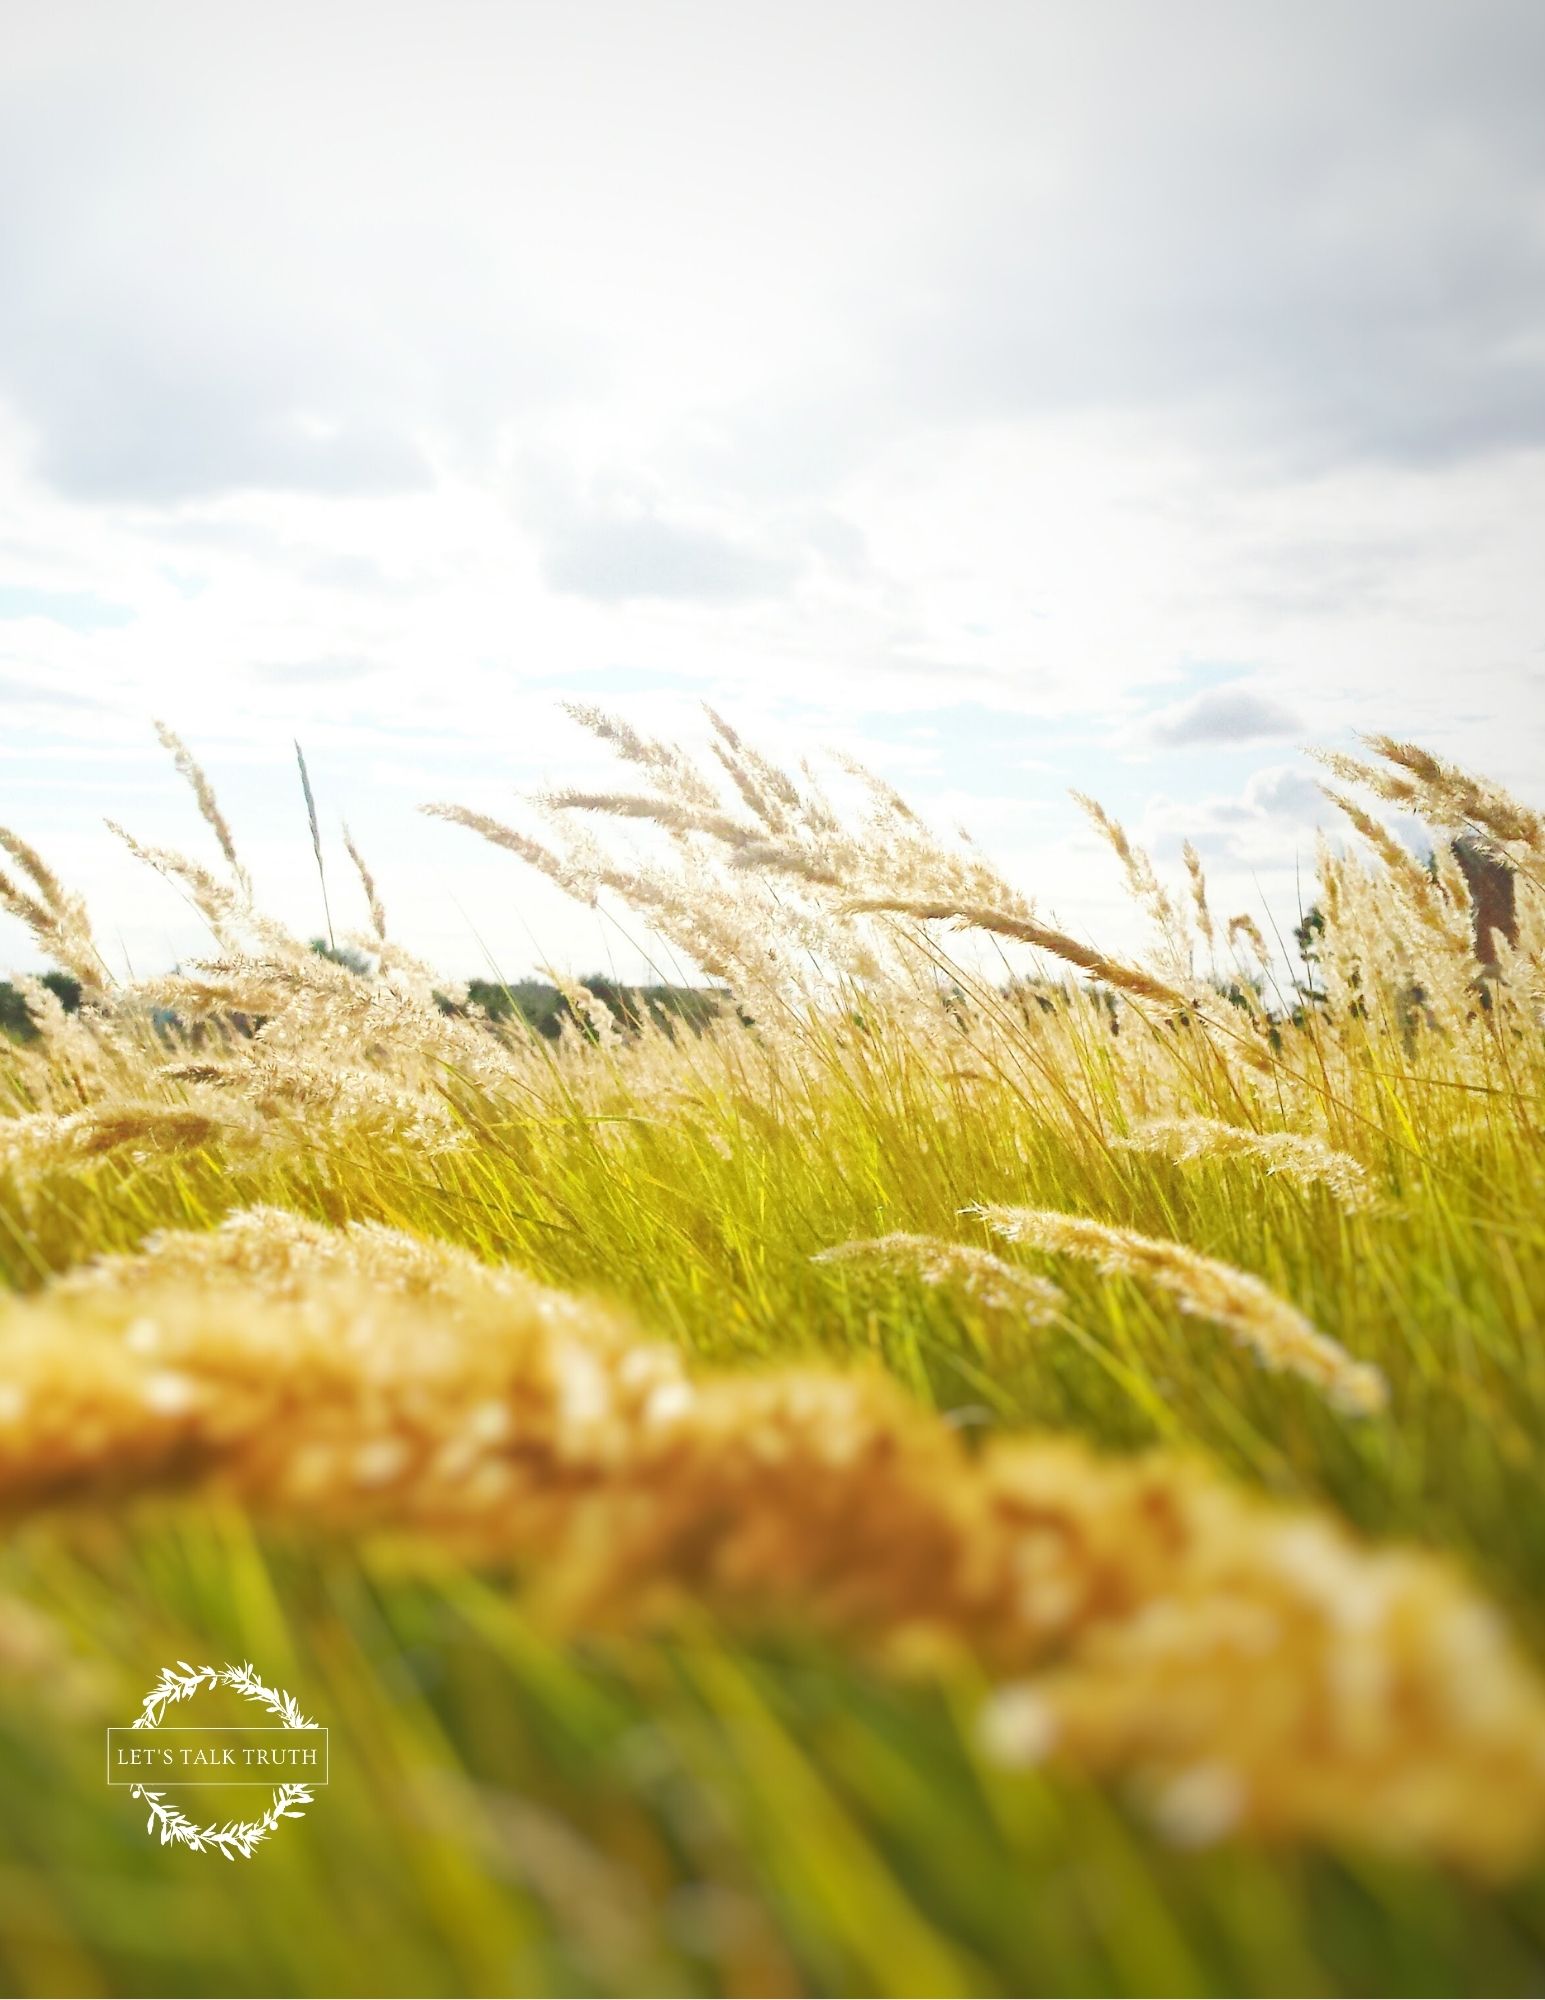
x,y
936,1479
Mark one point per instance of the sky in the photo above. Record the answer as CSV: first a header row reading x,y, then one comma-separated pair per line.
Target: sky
x,y
1016,396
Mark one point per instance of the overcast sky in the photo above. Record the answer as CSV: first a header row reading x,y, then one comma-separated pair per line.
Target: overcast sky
x,y
1019,396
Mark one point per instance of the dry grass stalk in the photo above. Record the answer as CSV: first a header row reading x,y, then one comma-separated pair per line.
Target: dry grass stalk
x,y
667,765
1198,881
532,852
963,1267
1132,980
1142,879
216,902
368,884
27,857
1244,926
25,908
282,1256
32,1144
208,805
1277,1333
669,814
364,1380
1422,895
1442,793
58,922
1297,1157
1128,978
769,793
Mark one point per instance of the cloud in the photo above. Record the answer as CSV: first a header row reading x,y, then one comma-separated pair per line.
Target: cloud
x,y
1319,247
312,673
992,383
1265,828
1233,715
77,609
174,335
618,558
118,434
27,694
1285,792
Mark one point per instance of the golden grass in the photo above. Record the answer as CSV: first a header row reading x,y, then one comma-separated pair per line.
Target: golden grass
x,y
678,1324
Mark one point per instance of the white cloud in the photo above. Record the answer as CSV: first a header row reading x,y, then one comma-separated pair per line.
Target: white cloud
x,y
1008,371
1223,715
625,558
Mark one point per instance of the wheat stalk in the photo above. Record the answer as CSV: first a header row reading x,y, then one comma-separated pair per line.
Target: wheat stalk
x,y
963,1267
1298,1157
1276,1332
208,805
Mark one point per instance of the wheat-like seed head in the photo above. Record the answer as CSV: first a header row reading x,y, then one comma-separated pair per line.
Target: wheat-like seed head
x,y
1443,794
1198,880
58,922
1244,926
962,1267
209,806
368,884
1142,879
1279,1335
1299,1157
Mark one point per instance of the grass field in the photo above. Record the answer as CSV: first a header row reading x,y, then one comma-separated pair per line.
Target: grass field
x,y
987,1467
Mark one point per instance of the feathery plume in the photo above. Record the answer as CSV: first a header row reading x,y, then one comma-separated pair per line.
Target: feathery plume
x,y
1296,1156
963,1267
1193,863
1421,894
26,856
58,922
42,1140
1278,1334
216,902
671,814
189,769
368,883
1142,880
1244,926
671,769
27,909
1441,793
1129,978
532,852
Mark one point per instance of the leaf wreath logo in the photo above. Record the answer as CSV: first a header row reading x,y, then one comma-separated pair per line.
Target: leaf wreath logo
x,y
236,1836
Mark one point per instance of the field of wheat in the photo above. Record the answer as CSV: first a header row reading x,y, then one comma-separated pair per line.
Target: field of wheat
x,y
974,1466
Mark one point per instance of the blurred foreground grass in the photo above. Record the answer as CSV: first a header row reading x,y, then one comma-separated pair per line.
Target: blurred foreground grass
x,y
509,1815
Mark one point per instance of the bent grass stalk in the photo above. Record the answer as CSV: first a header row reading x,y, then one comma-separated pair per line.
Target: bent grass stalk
x,y
1299,1157
1276,1332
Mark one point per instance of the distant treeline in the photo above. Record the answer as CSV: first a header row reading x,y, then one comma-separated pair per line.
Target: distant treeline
x,y
544,1008
540,1005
